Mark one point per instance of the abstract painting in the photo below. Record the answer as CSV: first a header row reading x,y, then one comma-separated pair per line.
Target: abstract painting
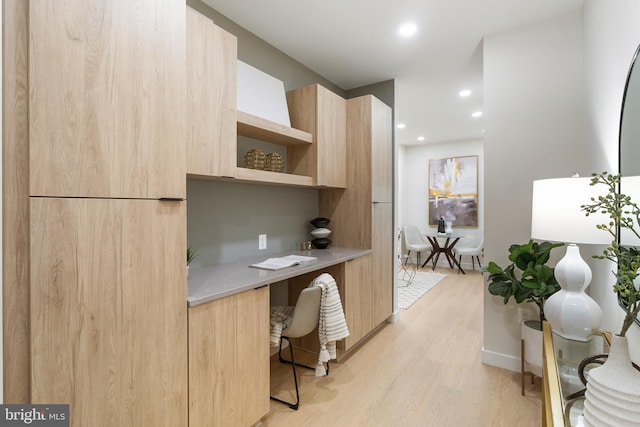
x,y
453,191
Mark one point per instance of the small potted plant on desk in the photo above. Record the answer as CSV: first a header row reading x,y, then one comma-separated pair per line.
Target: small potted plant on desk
x,y
527,279
191,255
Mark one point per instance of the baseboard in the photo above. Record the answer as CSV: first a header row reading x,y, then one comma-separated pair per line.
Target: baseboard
x,y
500,360
394,317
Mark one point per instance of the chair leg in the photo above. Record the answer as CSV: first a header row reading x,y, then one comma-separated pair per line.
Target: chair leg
x,y
407,260
473,263
459,262
418,258
296,405
479,265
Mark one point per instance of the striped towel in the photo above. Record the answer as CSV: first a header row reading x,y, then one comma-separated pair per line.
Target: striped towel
x,y
280,319
332,325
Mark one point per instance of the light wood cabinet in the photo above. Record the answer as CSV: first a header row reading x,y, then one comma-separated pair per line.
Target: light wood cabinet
x,y
107,310
368,194
211,98
357,295
229,360
321,112
382,264
107,98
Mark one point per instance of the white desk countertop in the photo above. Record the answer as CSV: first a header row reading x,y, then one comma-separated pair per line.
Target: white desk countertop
x,y
218,281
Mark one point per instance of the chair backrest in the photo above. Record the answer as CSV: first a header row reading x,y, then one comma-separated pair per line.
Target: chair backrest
x,y
306,314
412,235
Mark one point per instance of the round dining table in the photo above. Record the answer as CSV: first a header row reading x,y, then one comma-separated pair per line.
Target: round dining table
x,y
451,239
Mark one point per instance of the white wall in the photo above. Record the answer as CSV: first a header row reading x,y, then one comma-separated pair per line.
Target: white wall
x,y
413,181
611,36
533,123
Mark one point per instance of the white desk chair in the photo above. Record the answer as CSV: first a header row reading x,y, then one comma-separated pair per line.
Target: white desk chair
x,y
414,241
304,320
475,250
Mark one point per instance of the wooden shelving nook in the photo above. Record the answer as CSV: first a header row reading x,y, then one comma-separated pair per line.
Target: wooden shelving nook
x,y
265,130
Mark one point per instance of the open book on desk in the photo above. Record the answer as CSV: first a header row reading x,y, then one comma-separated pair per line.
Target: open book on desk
x,y
283,262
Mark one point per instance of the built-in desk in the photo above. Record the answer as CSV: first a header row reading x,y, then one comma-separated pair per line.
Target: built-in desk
x,y
228,316
219,281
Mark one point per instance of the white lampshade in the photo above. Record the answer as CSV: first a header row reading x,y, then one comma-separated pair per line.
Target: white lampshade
x,y
556,214
630,186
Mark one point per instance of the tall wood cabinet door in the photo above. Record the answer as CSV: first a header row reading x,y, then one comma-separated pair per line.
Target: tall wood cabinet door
x,y
382,264
211,98
331,139
322,113
229,360
357,299
107,98
381,151
108,311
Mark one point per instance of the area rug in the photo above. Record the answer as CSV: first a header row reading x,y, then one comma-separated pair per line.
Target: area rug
x,y
422,283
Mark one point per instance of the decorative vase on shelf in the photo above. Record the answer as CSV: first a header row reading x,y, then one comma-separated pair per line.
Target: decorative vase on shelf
x,y
613,390
320,233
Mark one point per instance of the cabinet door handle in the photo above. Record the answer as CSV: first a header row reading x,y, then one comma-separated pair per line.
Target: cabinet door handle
x,y
171,199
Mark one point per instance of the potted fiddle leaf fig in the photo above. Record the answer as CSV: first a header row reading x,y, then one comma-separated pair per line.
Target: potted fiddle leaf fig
x,y
528,278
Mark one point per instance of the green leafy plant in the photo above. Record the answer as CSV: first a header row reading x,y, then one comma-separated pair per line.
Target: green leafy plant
x,y
623,214
191,254
527,278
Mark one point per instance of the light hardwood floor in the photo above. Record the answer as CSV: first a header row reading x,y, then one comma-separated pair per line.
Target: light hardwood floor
x,y
423,370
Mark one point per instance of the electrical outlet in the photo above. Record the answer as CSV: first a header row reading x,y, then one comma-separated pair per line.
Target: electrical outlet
x,y
262,241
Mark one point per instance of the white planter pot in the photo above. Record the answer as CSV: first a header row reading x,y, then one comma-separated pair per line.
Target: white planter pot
x,y
532,336
613,390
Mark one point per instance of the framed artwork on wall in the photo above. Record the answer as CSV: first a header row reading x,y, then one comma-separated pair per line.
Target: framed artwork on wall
x,y
453,191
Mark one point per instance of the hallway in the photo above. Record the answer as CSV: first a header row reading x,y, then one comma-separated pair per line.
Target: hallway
x,y
424,370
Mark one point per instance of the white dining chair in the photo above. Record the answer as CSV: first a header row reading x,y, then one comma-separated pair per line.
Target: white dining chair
x,y
474,250
414,241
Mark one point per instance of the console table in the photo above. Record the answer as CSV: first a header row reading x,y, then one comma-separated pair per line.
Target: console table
x,y
562,397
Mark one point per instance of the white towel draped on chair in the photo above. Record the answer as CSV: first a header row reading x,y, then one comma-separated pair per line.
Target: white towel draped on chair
x,y
332,325
280,319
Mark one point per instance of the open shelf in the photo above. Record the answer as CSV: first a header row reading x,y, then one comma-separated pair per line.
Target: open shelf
x,y
267,177
258,128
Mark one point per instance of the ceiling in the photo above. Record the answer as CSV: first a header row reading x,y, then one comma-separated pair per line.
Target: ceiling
x,y
354,43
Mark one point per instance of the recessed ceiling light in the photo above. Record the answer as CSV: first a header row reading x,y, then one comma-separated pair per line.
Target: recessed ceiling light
x,y
401,125
464,93
421,138
476,114
408,29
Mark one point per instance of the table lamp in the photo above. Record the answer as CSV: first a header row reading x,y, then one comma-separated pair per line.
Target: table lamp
x,y
556,216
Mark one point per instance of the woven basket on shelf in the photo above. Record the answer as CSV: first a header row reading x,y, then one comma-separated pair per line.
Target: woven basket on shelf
x,y
274,163
254,159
